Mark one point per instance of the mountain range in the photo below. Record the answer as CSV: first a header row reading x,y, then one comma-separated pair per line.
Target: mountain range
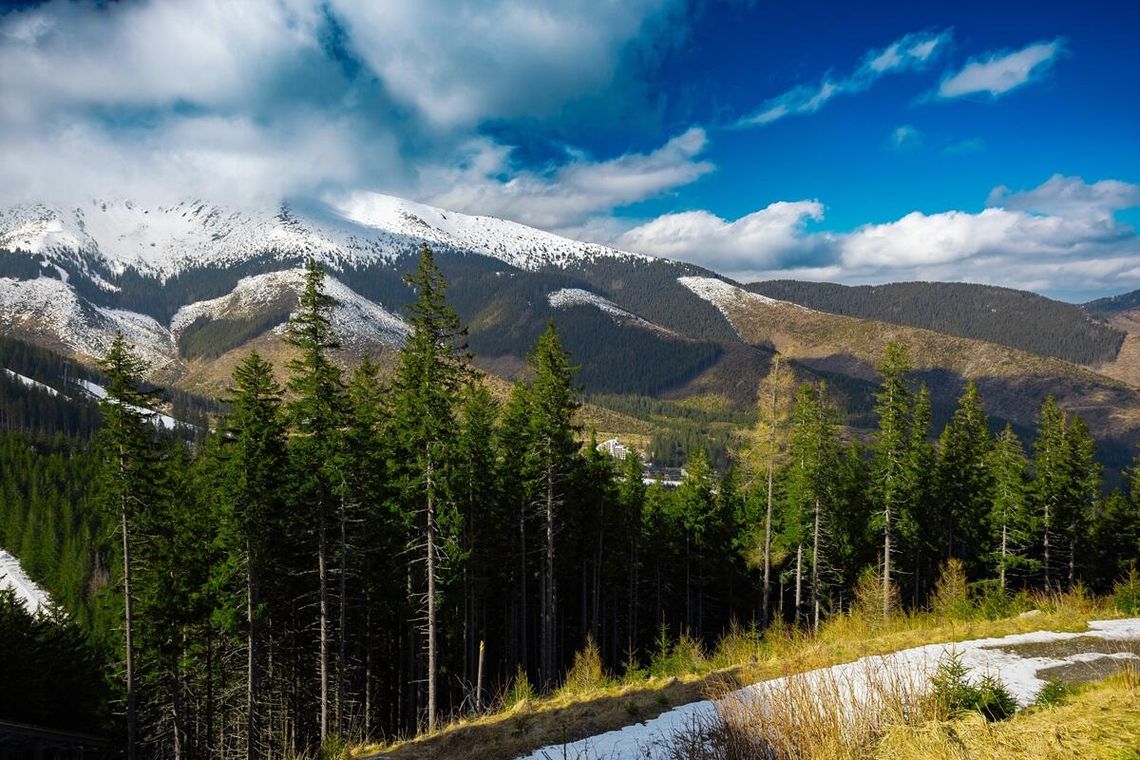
x,y
194,285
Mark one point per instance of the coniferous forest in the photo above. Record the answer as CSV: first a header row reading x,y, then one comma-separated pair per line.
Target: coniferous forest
x,y
356,554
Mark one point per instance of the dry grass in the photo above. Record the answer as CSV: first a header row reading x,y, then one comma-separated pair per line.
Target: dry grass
x,y
1102,720
742,656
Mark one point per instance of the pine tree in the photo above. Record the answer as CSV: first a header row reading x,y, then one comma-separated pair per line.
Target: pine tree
x,y
892,475
552,404
963,480
252,458
1052,479
430,376
316,414
1008,501
764,453
128,462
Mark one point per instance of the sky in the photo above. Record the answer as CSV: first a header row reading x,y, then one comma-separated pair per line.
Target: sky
x,y
849,142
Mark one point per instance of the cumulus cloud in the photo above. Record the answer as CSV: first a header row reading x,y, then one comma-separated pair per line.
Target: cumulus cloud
x,y
267,98
913,51
1061,237
998,73
774,236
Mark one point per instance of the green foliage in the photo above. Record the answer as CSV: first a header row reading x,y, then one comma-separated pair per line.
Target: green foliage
x,y
1126,593
586,673
1053,693
956,694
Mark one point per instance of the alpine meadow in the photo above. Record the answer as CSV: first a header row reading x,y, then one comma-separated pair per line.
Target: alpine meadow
x,y
489,380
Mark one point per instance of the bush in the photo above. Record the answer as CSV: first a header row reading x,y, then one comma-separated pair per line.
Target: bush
x,y
956,695
951,593
868,593
684,656
520,692
1052,694
586,673
1126,593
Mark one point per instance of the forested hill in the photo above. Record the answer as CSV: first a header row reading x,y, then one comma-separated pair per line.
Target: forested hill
x,y
1008,317
1106,307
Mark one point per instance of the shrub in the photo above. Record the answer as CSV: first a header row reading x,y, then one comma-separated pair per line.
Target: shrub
x,y
1052,694
868,594
520,692
956,695
1126,593
586,673
686,655
951,593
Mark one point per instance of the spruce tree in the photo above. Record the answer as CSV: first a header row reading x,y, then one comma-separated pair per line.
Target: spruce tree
x,y
1008,516
892,475
1052,480
127,453
431,373
316,413
252,460
963,481
552,403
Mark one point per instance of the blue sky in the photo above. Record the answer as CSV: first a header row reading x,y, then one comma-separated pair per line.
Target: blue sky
x,y
990,142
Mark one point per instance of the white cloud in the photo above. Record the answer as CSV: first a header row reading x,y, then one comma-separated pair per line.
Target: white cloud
x,y
998,73
458,63
266,98
914,51
565,198
905,138
1060,237
771,237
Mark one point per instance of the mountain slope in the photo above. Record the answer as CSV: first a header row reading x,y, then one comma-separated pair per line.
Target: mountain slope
x,y
1015,318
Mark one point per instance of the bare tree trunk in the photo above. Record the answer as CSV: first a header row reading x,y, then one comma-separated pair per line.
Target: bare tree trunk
x,y
252,674
1048,575
815,570
522,621
768,511
431,528
1072,557
1004,552
343,622
548,635
128,621
799,580
322,573
479,678
887,561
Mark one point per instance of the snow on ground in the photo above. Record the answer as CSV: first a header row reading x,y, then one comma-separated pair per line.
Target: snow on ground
x,y
97,391
567,297
723,295
30,383
13,576
651,739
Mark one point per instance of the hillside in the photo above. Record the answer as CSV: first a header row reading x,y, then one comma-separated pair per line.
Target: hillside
x,y
1014,318
194,286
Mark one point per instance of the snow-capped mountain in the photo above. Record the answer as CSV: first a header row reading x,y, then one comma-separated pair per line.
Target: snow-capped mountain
x,y
164,241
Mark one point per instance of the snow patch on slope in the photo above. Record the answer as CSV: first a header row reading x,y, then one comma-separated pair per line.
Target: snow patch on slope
x,y
567,297
165,241
12,576
158,418
653,739
49,307
356,320
725,296
30,383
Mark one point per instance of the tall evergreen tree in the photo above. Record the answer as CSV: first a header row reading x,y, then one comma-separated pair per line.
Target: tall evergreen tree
x,y
252,460
316,413
553,400
430,375
1052,480
892,475
963,481
128,475
1009,516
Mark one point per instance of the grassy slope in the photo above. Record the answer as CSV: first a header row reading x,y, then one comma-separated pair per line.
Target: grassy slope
x,y
741,658
1101,721
1012,382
